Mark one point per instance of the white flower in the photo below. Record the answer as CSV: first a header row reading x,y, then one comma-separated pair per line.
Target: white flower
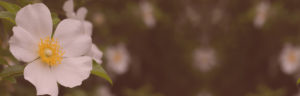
x,y
104,91
51,60
261,14
147,13
205,59
68,7
290,59
118,58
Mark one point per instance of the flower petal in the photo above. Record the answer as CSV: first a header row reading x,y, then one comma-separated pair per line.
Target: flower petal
x,y
40,75
72,71
23,45
36,19
68,7
72,38
88,27
81,13
95,53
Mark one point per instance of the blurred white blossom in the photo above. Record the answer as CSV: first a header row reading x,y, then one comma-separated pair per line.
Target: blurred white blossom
x,y
68,7
290,59
205,59
262,11
118,58
51,59
98,18
104,91
147,13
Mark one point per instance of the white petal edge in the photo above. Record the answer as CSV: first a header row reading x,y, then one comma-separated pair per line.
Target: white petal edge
x,y
88,27
39,74
23,45
72,39
81,13
95,53
68,7
36,19
72,71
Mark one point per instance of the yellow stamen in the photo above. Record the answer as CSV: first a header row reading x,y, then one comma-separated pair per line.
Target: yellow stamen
x,y
50,51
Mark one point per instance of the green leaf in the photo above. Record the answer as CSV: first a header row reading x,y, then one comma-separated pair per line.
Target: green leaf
x,y
12,71
8,16
55,19
99,71
24,2
11,79
298,82
13,8
3,61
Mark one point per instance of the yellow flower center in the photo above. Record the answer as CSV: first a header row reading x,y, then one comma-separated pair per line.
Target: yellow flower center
x,y
50,51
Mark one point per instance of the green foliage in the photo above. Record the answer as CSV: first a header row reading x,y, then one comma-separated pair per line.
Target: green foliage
x,y
10,79
265,91
55,19
12,8
8,16
298,82
11,71
10,13
2,61
99,71
75,92
24,2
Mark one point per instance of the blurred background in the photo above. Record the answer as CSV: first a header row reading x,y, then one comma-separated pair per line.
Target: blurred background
x,y
183,48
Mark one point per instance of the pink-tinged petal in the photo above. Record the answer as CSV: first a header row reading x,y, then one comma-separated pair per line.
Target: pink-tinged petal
x,y
72,38
36,19
23,45
88,27
81,13
40,75
72,71
95,53
68,7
